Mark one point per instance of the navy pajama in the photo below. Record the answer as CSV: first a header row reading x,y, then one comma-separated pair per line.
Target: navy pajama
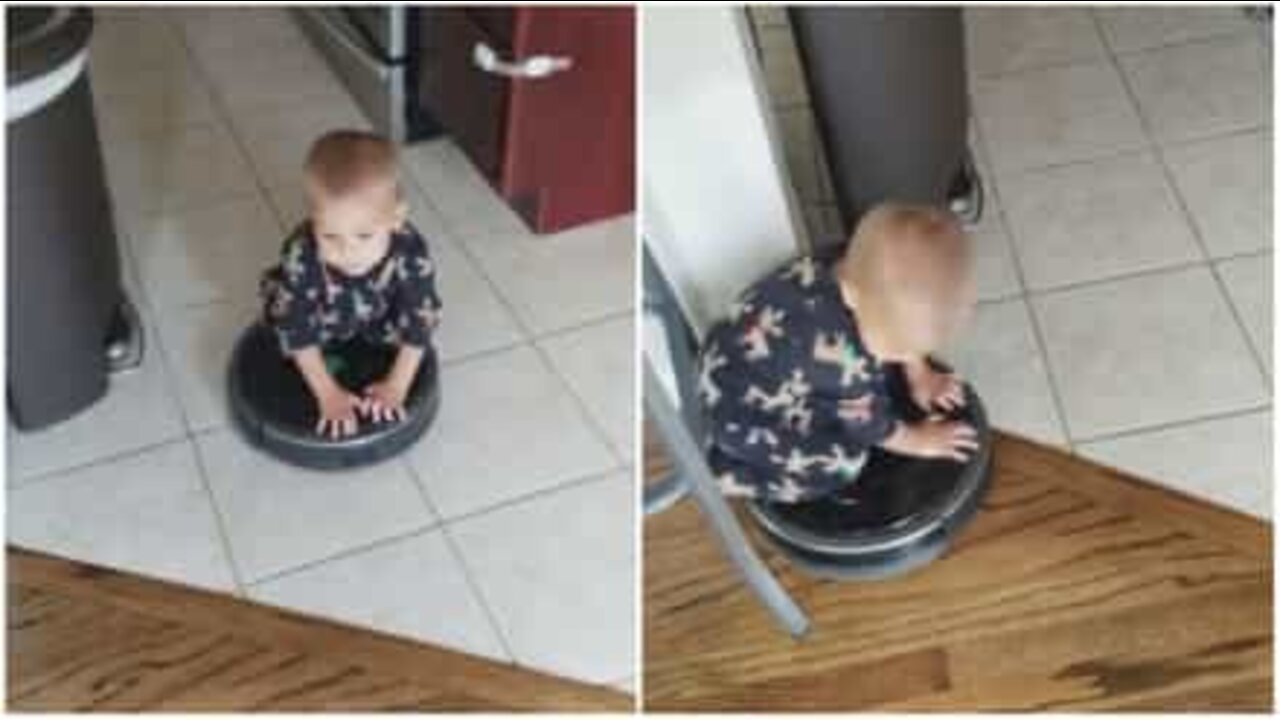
x,y
310,304
793,399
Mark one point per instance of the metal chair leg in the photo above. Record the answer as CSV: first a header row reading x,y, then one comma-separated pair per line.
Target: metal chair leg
x,y
662,495
692,468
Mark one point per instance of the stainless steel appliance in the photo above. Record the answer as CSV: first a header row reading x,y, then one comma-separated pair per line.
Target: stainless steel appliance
x,y
375,50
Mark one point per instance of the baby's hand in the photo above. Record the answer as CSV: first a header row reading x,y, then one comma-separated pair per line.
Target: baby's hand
x,y
338,412
936,437
385,399
933,390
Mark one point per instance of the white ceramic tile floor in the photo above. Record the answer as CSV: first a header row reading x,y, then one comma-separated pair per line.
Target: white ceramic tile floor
x,y
476,319
1226,184
556,573
1249,287
1151,350
1007,39
995,269
279,517
204,254
154,480
1142,28
197,343
508,426
1227,461
413,587
1201,89
529,273
167,96
166,170
147,512
1147,362
460,192
1096,220
999,356
1055,115
597,361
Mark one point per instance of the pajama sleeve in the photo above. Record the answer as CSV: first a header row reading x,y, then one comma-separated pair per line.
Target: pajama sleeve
x,y
416,301
291,295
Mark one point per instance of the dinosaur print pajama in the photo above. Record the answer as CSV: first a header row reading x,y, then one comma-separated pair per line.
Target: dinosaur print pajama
x,y
308,303
793,399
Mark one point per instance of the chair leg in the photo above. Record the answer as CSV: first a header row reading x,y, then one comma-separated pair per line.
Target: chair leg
x,y
662,495
692,468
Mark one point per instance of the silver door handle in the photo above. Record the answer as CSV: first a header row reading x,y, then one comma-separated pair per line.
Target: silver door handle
x,y
530,68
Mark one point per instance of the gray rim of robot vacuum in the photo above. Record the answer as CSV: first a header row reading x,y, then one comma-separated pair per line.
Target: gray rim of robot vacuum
x,y
894,561
314,452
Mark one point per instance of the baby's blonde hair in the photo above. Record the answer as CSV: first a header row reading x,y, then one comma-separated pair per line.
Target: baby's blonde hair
x,y
344,162
910,267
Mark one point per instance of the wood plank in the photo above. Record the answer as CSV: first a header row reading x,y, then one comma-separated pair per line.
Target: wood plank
x,y
83,637
1076,587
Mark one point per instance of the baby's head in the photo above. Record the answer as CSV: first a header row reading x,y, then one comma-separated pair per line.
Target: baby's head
x,y
908,272
352,183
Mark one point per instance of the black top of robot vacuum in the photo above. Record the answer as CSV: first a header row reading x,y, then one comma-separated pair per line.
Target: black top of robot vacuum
x,y
895,498
40,40
277,411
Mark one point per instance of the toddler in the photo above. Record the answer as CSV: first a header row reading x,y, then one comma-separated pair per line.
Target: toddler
x,y
354,267
794,381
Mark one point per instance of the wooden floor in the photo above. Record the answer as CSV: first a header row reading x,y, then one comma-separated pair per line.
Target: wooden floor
x,y
82,637
1074,588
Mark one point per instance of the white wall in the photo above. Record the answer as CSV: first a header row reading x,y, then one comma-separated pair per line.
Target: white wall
x,y
717,212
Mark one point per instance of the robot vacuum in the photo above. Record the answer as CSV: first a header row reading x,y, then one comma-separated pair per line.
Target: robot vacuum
x,y
274,409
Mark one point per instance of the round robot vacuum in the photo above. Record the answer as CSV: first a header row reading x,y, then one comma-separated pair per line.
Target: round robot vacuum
x,y
900,514
274,408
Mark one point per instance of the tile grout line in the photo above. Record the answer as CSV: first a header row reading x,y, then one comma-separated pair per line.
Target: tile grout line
x,y
533,338
223,112
1060,414
224,535
472,582
1256,254
56,473
1175,424
455,551
572,483
1017,172
1171,269
1158,153
1217,37
509,346
438,522
219,107
345,554
596,424
478,593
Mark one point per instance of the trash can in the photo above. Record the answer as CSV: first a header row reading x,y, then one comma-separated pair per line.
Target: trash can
x,y
890,97
66,309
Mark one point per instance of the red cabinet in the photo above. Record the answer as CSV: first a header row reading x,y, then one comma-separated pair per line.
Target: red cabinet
x,y
560,146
